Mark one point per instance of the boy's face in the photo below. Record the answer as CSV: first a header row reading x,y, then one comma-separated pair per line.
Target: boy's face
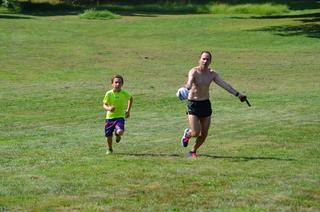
x,y
117,83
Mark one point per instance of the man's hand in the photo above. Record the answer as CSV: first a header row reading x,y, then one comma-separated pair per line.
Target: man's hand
x,y
242,98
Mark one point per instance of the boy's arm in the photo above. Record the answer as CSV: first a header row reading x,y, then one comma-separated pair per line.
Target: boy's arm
x,y
107,107
105,104
129,107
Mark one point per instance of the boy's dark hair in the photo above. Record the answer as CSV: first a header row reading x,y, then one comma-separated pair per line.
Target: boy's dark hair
x,y
117,76
209,53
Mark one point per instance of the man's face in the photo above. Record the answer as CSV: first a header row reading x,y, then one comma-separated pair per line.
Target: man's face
x,y
205,59
117,83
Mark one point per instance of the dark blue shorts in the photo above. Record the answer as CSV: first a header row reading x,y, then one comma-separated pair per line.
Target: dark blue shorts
x,y
112,124
199,108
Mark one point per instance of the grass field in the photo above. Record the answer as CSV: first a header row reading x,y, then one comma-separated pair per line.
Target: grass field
x,y
54,71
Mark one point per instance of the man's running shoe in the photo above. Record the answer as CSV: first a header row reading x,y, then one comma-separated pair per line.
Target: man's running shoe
x,y
118,138
109,152
192,154
185,139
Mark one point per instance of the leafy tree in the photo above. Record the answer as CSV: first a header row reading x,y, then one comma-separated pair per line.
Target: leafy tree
x,y
10,4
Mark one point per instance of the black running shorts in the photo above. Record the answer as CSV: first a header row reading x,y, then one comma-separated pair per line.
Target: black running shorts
x,y
199,108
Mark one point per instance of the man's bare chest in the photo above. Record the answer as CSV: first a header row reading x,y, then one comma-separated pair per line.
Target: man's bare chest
x,y
203,79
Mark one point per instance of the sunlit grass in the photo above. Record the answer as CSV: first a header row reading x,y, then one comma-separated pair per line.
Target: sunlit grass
x,y
95,14
55,70
256,9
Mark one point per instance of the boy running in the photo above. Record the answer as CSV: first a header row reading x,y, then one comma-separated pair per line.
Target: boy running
x,y
117,103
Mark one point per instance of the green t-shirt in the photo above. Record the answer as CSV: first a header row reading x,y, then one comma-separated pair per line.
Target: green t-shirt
x,y
119,100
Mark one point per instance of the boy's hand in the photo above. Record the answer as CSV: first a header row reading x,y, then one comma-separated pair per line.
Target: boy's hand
x,y
112,108
127,114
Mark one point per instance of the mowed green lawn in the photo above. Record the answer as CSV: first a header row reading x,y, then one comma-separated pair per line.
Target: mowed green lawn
x,y
55,70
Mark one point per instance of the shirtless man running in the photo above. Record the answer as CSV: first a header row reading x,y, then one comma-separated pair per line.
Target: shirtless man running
x,y
199,106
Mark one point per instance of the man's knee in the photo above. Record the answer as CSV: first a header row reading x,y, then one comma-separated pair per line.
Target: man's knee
x,y
203,135
195,133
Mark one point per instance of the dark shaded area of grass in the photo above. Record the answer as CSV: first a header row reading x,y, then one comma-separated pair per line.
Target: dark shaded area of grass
x,y
309,30
309,25
153,9
13,17
45,9
292,4
158,6
235,158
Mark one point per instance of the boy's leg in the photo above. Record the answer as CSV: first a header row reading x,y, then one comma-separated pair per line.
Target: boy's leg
x,y
109,128
109,144
119,129
118,137
119,132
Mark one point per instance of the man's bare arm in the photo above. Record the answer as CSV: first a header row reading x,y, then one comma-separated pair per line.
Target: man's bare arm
x,y
217,79
190,79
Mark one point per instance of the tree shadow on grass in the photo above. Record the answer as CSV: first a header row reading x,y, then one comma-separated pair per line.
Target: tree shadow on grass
x,y
292,5
315,16
148,154
244,158
13,17
47,9
234,158
62,9
127,13
309,25
45,13
48,13
308,30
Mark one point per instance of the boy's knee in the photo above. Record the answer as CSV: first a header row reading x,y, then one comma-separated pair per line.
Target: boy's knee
x,y
120,132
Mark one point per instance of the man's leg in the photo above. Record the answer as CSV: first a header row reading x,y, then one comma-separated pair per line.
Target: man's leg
x,y
204,124
195,126
193,131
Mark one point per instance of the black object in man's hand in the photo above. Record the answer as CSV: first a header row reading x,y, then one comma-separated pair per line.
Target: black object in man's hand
x,y
244,98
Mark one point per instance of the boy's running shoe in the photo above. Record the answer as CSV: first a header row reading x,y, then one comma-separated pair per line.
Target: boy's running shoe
x,y
118,138
192,154
185,139
109,152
